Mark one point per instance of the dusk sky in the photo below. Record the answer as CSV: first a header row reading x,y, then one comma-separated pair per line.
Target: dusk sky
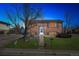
x,y
51,11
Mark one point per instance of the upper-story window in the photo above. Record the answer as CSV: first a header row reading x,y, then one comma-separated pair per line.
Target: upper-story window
x,y
52,25
56,24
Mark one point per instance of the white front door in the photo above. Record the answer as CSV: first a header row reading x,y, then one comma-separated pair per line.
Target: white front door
x,y
41,30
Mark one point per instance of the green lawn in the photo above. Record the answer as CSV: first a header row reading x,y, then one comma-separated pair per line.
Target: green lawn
x,y
56,43
64,43
23,44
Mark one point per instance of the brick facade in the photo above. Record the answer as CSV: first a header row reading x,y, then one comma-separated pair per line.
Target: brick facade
x,y
51,27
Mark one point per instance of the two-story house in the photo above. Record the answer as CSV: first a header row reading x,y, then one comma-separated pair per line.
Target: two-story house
x,y
46,27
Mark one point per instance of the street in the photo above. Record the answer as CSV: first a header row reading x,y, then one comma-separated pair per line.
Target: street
x,y
37,52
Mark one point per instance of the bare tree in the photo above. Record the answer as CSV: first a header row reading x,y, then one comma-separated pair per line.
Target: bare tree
x,y
68,19
29,14
13,20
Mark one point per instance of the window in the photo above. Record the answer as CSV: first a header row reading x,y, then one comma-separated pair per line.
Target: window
x,y
55,24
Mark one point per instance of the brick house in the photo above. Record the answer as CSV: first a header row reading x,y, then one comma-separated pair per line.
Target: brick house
x,y
46,27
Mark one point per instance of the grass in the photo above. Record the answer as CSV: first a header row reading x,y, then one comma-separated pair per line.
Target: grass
x,y
54,43
64,43
23,44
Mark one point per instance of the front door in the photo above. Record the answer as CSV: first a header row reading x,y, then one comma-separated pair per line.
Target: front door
x,y
41,34
41,30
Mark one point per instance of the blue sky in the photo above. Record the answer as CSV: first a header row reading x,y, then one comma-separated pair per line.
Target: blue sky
x,y
49,11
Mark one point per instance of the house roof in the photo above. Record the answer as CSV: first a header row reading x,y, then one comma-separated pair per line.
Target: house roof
x,y
40,21
52,20
4,23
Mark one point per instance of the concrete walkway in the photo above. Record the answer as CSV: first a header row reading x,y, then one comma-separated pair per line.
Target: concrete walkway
x,y
37,52
5,39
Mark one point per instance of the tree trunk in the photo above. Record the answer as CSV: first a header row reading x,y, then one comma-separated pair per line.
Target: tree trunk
x,y
25,33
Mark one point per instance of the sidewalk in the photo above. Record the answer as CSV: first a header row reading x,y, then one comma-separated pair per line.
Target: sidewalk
x,y
37,52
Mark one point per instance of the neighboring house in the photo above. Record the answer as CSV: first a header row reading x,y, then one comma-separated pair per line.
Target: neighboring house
x,y
4,27
46,27
75,30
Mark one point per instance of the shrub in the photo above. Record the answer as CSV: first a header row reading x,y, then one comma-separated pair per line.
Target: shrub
x,y
64,35
50,38
48,42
